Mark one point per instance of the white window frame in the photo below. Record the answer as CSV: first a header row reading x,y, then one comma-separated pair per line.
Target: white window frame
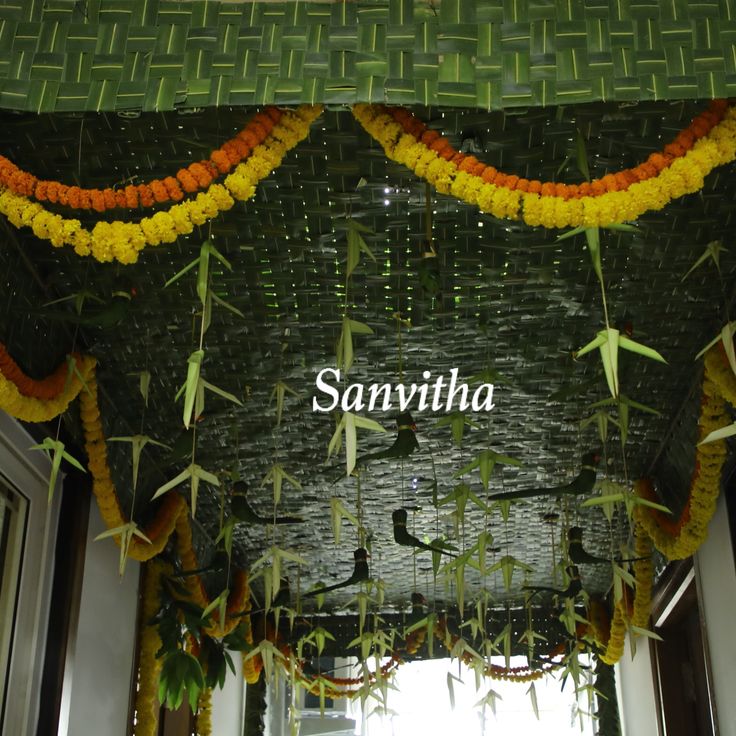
x,y
27,473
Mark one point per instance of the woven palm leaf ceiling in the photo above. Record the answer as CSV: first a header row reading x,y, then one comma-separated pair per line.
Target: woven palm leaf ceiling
x,y
512,299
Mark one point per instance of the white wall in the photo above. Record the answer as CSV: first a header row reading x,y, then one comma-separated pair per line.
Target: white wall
x,y
635,690
718,599
105,641
717,585
228,704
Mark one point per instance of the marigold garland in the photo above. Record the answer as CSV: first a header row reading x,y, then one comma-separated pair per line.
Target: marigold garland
x,y
18,392
188,180
122,241
171,516
681,537
501,196
700,126
149,665
45,388
204,713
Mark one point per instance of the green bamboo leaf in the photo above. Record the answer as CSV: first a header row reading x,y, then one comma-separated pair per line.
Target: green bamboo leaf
x,y
712,252
628,344
226,305
646,632
596,342
203,274
181,273
592,238
571,233
192,383
179,479
220,392
138,442
719,434
55,451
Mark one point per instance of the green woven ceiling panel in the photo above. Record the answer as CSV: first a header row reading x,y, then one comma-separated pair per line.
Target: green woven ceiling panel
x,y
61,55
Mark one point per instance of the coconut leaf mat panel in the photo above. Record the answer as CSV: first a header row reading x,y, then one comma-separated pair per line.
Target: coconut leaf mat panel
x,y
505,301
60,56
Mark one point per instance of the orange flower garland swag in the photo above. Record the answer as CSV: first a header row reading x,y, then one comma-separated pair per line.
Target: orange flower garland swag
x,y
172,516
701,125
149,665
679,538
195,177
46,388
40,401
123,240
659,181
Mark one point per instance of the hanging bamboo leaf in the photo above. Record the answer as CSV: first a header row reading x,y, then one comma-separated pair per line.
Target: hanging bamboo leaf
x,y
719,434
712,252
338,512
279,392
138,442
593,240
349,423
276,476
486,461
192,383
457,421
56,452
126,533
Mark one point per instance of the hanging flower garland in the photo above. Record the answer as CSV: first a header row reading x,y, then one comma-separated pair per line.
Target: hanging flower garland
x,y
149,665
204,713
700,126
500,195
494,671
172,516
191,179
44,389
680,538
122,241
41,401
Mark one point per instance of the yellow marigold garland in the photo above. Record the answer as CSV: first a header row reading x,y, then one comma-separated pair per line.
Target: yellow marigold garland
x,y
29,409
122,241
684,176
681,538
204,713
149,666
617,638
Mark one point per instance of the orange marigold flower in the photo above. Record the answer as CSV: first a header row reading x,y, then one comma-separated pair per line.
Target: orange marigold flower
x,y
609,182
145,195
85,199
584,189
173,189
489,174
41,191
468,163
110,199
535,186
159,191
548,189
429,137
249,137
523,185
53,191
131,196
120,198
222,161
73,197
188,182
258,131
98,200
597,188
